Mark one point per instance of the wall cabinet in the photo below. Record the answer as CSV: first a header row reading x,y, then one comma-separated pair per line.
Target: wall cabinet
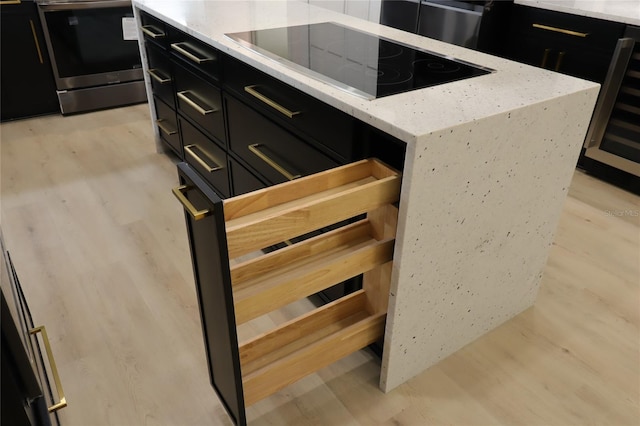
x,y
28,88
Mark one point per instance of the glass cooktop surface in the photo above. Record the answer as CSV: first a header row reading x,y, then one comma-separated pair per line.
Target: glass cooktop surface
x,y
364,64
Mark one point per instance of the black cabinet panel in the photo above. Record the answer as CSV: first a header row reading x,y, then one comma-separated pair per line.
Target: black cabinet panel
x,y
208,244
313,119
570,44
168,126
154,30
195,54
272,151
27,87
205,156
160,71
243,180
200,101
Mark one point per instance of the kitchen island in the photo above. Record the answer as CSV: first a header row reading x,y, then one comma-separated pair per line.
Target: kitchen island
x,y
487,167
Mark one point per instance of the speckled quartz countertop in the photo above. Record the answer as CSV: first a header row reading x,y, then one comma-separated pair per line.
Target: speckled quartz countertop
x,y
625,11
488,165
407,116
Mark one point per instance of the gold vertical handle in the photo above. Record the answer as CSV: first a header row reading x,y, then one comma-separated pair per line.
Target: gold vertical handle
x,y
189,150
284,172
559,60
54,370
545,57
35,39
273,104
560,30
152,31
184,95
195,213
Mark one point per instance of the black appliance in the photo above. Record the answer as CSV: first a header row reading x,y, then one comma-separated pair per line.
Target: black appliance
x,y
27,398
400,14
94,52
355,61
476,24
613,137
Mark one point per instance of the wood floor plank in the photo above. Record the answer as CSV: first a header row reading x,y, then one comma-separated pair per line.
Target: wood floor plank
x,y
100,246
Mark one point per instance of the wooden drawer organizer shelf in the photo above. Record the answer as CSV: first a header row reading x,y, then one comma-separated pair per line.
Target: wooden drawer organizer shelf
x,y
267,282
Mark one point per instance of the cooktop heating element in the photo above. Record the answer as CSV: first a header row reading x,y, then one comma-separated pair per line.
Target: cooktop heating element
x,y
364,64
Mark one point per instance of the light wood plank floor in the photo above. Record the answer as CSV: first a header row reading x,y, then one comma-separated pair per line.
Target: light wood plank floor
x,y
100,246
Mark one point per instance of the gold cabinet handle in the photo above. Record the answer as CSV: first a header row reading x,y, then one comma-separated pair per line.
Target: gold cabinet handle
x,y
284,172
180,48
560,30
545,57
195,213
184,95
157,77
5,2
161,124
253,92
35,38
559,60
189,150
152,31
54,370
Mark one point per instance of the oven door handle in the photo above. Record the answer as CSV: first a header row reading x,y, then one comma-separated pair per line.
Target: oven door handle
x,y
47,6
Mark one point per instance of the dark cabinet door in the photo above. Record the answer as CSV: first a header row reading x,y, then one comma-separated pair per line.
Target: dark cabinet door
x,y
208,244
575,45
28,88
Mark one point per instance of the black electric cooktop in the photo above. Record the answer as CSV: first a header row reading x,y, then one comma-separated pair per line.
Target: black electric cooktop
x,y
357,62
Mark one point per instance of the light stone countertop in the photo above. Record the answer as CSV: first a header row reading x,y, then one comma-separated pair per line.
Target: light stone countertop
x,y
408,116
625,11
488,164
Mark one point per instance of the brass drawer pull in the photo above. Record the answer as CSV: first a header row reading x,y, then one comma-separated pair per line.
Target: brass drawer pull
x,y
545,58
152,31
35,40
160,122
180,48
284,172
195,213
54,370
157,77
6,2
204,111
253,92
559,60
189,150
560,30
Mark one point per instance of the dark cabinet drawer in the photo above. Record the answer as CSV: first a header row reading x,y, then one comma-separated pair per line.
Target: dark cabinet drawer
x,y
314,119
195,54
589,33
272,151
576,45
168,126
564,58
160,74
154,30
243,180
205,156
200,101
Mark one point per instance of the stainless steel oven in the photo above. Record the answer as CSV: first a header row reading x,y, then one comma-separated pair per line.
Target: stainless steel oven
x,y
94,53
